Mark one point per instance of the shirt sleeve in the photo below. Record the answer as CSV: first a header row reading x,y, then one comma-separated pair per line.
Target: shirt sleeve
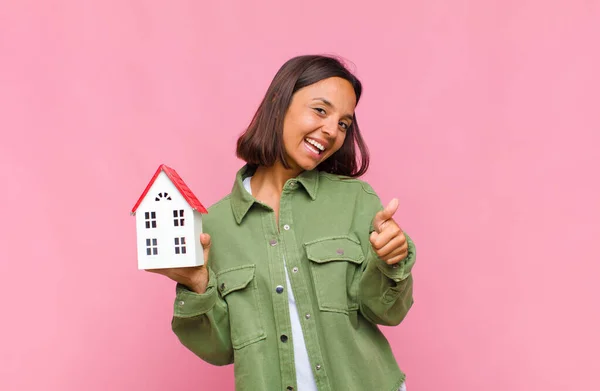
x,y
385,291
201,323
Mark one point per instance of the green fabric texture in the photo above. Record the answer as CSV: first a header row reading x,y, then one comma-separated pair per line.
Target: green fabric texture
x,y
343,290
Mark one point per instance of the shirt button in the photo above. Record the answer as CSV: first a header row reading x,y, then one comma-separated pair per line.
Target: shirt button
x,y
286,227
283,338
318,366
293,184
395,266
295,270
307,316
181,302
279,289
273,242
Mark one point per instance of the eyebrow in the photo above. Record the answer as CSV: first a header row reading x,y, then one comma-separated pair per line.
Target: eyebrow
x,y
328,103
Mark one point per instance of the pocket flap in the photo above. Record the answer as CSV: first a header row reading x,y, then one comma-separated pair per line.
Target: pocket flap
x,y
340,248
234,279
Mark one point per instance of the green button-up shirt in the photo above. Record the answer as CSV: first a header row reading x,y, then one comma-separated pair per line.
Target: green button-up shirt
x,y
342,289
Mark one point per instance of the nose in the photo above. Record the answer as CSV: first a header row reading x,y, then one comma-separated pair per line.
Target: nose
x,y
330,129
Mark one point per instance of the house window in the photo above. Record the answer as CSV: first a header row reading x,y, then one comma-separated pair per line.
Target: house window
x,y
150,219
178,219
161,196
151,247
179,245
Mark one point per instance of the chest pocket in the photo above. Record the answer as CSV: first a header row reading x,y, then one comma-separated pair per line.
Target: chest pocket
x,y
238,288
335,265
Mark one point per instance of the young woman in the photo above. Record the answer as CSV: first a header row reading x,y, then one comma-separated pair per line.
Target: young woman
x,y
304,262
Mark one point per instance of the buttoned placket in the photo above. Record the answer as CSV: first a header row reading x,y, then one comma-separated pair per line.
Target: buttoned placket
x,y
299,286
283,327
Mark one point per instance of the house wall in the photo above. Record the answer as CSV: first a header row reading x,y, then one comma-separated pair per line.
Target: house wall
x,y
196,245
165,231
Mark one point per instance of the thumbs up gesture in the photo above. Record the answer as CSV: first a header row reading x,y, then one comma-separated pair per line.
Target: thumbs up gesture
x,y
388,240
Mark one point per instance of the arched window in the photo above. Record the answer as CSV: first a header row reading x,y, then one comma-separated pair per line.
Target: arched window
x,y
161,196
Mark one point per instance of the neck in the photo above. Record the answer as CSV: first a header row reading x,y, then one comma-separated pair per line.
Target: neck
x,y
272,179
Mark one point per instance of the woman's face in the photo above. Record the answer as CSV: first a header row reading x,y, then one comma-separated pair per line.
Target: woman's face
x,y
316,122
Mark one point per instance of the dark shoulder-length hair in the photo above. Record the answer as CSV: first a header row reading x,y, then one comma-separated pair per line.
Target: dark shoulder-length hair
x,y
262,142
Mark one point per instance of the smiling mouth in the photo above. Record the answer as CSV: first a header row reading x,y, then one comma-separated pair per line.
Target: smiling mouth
x,y
314,146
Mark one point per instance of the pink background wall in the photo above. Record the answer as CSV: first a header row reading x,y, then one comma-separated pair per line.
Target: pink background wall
x,y
482,117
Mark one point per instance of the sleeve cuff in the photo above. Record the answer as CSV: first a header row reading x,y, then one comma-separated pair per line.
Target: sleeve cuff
x,y
401,270
189,304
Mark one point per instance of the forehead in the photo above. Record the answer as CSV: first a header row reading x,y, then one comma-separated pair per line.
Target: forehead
x,y
335,89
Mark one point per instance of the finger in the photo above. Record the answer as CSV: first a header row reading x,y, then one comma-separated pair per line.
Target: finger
x,y
390,232
392,248
391,208
395,252
205,241
385,214
398,258
373,238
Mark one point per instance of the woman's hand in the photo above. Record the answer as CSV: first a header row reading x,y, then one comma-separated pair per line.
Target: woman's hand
x,y
195,278
388,240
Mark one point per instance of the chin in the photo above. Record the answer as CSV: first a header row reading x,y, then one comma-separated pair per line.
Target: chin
x,y
303,164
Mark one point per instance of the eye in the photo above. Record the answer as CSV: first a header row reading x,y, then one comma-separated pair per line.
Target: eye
x,y
320,110
344,126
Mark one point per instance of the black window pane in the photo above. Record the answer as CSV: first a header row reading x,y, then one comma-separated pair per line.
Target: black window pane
x,y
181,222
147,242
153,214
174,213
148,251
176,250
177,241
183,250
154,250
147,215
181,213
147,224
182,240
153,223
154,242
176,222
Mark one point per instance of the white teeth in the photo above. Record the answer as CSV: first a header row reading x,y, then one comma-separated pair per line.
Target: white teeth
x,y
316,144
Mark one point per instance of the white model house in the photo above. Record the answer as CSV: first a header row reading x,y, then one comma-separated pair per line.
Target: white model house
x,y
168,221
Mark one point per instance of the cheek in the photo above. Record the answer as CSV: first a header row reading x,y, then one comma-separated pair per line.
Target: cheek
x,y
339,142
296,126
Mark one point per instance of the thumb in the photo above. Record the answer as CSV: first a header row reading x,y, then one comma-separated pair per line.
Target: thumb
x,y
205,242
385,214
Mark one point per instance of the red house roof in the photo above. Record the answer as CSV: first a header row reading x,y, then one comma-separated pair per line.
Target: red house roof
x,y
179,184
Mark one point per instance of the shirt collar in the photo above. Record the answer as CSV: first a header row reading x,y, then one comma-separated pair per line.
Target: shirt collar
x,y
242,201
